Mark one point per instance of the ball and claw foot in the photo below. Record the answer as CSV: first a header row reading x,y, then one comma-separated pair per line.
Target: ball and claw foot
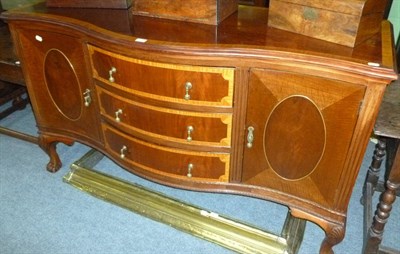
x,y
48,144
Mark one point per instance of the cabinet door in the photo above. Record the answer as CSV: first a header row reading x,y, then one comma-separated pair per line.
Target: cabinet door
x,y
301,127
58,82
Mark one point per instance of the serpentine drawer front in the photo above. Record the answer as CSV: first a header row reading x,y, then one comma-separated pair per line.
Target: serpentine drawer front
x,y
236,108
196,85
207,129
185,164
188,144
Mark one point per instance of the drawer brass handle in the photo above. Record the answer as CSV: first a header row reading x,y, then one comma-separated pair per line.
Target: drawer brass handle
x,y
188,86
250,136
190,168
190,130
122,152
111,72
117,114
87,97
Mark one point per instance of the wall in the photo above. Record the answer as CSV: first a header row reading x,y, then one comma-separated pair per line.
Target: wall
x,y
394,17
9,4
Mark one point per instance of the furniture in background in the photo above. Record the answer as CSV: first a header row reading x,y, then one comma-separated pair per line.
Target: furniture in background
x,y
387,130
12,84
235,108
11,78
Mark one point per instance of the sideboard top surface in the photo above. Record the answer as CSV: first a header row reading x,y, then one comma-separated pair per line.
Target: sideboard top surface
x,y
245,33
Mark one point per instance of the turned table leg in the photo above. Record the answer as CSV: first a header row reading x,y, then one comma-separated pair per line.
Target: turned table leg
x,y
48,144
371,182
374,169
375,232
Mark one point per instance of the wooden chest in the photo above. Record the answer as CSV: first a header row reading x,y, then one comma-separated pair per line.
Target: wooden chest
x,y
199,11
346,22
114,4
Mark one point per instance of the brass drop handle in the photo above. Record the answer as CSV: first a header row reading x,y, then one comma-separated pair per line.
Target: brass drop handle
x,y
250,136
122,152
190,130
117,114
188,86
110,73
87,97
190,168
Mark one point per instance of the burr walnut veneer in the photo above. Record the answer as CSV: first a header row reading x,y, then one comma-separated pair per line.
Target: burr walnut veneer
x,y
235,108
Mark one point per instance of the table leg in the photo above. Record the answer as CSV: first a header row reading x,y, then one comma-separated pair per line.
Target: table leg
x,y
374,169
375,232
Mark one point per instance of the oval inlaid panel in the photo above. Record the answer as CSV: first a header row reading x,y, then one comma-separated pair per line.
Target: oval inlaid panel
x,y
294,138
62,84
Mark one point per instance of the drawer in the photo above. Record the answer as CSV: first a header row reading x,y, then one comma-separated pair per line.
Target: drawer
x,y
166,161
196,85
208,129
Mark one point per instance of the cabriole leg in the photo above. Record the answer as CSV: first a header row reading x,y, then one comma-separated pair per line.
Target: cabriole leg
x,y
334,234
334,229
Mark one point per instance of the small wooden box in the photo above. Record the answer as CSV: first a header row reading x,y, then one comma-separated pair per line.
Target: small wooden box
x,y
345,22
111,4
199,11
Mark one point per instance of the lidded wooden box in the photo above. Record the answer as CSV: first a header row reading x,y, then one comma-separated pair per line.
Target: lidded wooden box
x,y
112,4
199,11
345,22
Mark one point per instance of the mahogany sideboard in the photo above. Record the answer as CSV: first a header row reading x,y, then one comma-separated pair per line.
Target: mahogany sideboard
x,y
235,108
